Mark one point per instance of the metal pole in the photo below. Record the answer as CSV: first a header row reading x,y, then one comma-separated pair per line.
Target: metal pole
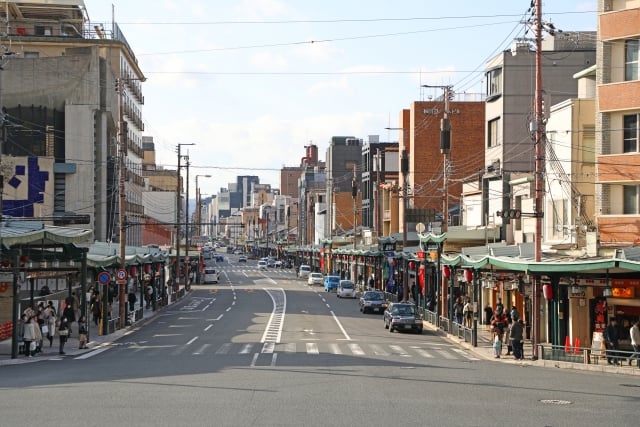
x,y
187,260
404,166
122,201
538,178
178,198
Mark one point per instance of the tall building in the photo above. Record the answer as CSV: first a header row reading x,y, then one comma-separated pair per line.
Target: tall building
x,y
510,87
618,123
379,163
67,75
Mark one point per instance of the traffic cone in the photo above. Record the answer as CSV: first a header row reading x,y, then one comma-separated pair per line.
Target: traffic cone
x,y
576,346
567,344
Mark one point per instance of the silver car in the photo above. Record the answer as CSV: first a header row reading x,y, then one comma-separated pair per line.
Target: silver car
x,y
373,301
315,279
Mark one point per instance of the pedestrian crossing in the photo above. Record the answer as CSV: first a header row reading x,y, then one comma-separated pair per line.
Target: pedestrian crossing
x,y
312,348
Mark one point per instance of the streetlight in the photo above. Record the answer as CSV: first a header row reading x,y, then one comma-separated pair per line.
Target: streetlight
x,y
178,199
198,207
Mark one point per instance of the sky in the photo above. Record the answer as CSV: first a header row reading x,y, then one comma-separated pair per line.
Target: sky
x,y
252,82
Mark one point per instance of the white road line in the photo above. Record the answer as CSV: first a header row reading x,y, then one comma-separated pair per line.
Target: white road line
x,y
228,309
201,349
224,348
378,351
192,340
312,348
246,349
398,350
356,350
335,348
465,354
207,328
273,359
290,347
445,354
346,336
253,360
424,353
91,353
268,347
219,317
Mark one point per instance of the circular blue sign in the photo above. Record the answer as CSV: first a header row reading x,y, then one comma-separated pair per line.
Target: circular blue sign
x,y
104,277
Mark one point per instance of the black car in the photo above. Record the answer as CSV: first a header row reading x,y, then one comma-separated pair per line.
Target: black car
x,y
219,258
403,316
373,301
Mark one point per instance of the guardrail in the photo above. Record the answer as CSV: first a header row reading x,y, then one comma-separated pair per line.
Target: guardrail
x,y
585,355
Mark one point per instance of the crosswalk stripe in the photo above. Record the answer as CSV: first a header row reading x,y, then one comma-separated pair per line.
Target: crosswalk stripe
x,y
224,348
312,348
378,351
356,350
423,353
445,354
289,347
464,354
268,347
335,348
246,348
399,350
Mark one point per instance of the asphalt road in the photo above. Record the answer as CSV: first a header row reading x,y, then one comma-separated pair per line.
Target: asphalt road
x,y
263,348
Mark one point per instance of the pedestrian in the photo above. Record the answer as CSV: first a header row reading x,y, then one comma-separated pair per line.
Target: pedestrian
x,y
517,329
467,313
372,283
148,295
457,310
70,315
500,305
634,332
132,298
63,334
488,313
39,334
612,340
96,311
51,328
21,324
82,333
29,337
498,323
507,332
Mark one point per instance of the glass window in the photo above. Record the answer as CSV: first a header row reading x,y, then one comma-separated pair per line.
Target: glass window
x,y
631,49
494,82
494,138
630,199
630,133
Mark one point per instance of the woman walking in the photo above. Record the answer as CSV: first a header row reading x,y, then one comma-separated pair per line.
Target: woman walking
x,y
63,333
29,337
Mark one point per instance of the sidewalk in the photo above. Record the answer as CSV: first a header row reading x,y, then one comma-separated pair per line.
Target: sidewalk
x,y
484,351
71,348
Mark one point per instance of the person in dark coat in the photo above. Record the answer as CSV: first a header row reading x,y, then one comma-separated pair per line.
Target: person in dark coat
x,y
612,340
63,333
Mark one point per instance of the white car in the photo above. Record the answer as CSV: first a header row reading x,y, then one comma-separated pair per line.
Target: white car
x,y
304,271
262,265
346,289
315,279
210,275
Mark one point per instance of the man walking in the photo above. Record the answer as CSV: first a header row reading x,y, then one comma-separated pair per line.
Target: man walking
x,y
612,340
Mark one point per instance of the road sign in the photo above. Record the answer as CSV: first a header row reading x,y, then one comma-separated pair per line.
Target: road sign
x,y
104,277
121,274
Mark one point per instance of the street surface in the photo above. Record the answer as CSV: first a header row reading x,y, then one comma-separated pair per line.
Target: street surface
x,y
262,348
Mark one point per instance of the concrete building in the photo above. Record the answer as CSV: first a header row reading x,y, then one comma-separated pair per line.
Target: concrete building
x,y
510,80
379,163
618,123
76,115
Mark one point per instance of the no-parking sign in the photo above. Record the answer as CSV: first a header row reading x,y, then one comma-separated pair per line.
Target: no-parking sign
x,y
104,277
121,274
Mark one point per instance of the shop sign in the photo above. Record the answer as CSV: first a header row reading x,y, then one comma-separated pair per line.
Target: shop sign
x,y
622,292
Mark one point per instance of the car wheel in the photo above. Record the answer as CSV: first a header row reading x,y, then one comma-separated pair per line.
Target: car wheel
x,y
364,310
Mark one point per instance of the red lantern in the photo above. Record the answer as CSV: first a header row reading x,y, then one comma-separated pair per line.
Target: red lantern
x,y
547,291
468,275
134,270
446,271
412,265
158,266
147,268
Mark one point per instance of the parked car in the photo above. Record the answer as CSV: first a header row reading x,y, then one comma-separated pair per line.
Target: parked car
x,y
271,263
373,301
219,258
262,265
304,271
315,279
402,316
345,289
242,258
210,275
331,283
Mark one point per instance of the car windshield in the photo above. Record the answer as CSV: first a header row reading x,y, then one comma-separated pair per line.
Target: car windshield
x,y
316,275
333,279
347,285
403,309
373,295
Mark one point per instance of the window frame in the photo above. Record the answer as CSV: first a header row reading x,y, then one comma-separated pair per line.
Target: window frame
x,y
631,65
631,133
494,139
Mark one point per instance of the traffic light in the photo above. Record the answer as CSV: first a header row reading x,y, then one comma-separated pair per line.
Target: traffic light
x,y
509,214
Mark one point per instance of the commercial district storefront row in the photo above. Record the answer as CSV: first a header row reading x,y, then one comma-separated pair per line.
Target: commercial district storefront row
x,y
575,296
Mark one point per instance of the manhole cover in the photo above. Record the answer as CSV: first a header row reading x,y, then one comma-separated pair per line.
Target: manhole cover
x,y
555,402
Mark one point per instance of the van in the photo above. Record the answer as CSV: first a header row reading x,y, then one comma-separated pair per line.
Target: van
x,y
304,271
210,275
262,265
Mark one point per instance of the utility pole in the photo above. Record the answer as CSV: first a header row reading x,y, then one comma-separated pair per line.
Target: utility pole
x,y
122,199
538,209
404,169
187,260
354,194
178,223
